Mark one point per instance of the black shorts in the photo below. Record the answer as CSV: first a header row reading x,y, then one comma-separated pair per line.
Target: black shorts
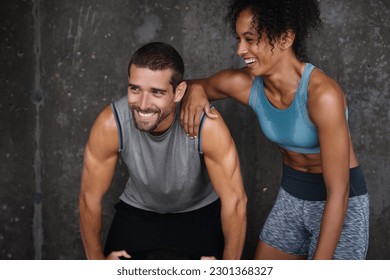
x,y
189,235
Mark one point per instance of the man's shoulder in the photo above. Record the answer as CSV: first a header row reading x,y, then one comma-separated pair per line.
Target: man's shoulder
x,y
213,123
217,143
106,120
214,130
120,109
121,102
103,139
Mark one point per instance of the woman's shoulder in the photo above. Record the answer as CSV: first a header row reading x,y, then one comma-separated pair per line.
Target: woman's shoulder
x,y
323,90
321,84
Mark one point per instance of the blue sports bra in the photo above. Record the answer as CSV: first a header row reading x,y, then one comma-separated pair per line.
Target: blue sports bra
x,y
289,128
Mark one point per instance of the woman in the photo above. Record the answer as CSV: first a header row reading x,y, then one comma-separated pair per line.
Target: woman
x,y
321,211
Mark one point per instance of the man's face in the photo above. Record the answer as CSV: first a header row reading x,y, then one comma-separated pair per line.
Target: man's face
x,y
151,99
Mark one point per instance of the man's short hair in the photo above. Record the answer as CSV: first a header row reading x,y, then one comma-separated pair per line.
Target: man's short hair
x,y
159,56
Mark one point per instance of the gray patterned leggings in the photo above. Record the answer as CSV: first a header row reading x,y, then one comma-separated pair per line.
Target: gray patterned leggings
x,y
293,226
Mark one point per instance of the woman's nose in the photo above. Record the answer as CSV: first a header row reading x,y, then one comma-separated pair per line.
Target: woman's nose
x,y
241,49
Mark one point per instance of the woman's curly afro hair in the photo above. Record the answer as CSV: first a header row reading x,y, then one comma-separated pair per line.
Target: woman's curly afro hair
x,y
275,17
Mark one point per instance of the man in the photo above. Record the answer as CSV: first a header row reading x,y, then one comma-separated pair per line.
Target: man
x,y
183,195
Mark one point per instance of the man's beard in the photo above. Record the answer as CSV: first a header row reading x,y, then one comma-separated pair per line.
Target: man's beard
x,y
148,126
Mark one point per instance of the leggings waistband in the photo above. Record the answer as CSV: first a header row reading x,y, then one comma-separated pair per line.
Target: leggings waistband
x,y
311,186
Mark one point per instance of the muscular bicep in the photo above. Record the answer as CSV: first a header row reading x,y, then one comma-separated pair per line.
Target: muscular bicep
x,y
97,174
221,158
100,156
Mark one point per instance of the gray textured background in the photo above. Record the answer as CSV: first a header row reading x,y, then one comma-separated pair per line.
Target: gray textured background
x,y
63,61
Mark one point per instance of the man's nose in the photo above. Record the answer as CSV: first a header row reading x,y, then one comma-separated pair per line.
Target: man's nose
x,y
144,101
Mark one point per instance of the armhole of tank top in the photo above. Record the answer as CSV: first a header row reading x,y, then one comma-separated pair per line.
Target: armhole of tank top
x,y
303,92
118,123
202,118
254,93
306,80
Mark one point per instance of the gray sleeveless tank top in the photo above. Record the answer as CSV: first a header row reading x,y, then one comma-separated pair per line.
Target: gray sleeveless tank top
x,y
167,173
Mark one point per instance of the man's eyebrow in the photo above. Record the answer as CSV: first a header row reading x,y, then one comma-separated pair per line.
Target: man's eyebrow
x,y
153,89
159,89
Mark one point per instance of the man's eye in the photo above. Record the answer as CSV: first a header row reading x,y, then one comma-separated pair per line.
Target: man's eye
x,y
157,92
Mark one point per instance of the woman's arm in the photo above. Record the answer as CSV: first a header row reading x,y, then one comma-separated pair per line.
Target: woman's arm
x,y
327,107
226,83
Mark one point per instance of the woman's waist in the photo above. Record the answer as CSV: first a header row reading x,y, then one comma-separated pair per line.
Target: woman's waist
x,y
308,163
302,162
311,186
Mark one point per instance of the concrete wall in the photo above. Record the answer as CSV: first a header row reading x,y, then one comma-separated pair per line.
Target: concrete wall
x,y
63,61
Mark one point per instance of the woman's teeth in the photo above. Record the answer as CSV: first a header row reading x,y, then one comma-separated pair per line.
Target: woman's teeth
x,y
250,60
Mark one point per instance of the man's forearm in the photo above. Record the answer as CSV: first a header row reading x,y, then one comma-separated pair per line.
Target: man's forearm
x,y
90,225
234,228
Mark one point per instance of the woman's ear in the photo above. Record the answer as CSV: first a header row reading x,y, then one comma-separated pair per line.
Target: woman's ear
x,y
180,91
286,40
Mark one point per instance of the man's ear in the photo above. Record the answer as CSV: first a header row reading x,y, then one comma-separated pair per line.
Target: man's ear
x,y
180,91
286,39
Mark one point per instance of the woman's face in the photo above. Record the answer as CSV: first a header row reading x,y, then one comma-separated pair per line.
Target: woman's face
x,y
259,56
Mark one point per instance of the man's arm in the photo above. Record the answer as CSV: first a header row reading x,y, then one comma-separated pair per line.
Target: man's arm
x,y
101,153
223,167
